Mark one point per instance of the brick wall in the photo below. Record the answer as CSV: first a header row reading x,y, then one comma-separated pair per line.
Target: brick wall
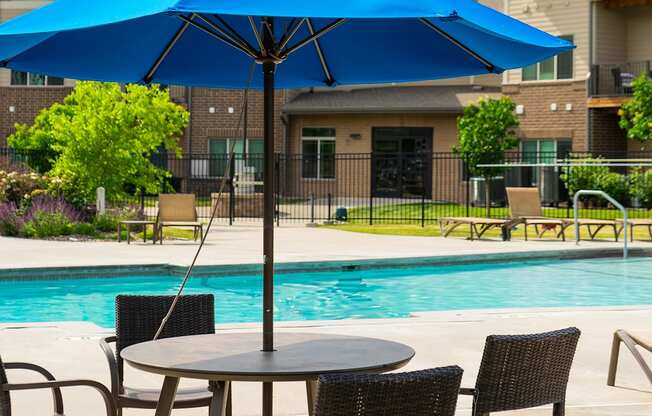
x,y
540,122
222,124
607,136
28,103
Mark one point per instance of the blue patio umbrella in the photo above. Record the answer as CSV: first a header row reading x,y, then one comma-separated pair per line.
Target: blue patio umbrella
x,y
299,43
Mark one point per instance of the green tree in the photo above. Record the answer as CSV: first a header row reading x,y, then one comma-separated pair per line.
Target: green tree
x,y
486,130
636,114
104,135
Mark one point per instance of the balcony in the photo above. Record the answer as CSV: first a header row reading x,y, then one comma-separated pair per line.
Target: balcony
x,y
616,80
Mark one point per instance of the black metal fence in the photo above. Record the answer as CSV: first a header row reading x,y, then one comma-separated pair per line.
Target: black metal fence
x,y
617,79
389,188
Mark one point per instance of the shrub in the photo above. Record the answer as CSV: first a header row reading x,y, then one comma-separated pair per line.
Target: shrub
x,y
108,222
11,223
51,205
641,187
21,187
48,224
84,228
598,178
615,185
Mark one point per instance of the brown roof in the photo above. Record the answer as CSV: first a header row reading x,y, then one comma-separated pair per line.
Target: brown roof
x,y
413,99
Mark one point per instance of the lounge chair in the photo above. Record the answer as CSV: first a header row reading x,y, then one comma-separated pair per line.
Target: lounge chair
x,y
631,341
51,383
524,371
525,207
137,320
477,226
177,210
632,223
429,392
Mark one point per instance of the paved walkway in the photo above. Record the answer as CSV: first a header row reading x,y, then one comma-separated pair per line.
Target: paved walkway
x,y
70,350
243,244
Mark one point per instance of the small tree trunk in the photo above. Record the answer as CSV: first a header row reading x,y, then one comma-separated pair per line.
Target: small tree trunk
x,y
487,196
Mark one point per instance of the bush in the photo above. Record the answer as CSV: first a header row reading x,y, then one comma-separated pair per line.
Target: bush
x,y
615,185
598,178
47,224
84,228
11,223
641,187
21,187
108,222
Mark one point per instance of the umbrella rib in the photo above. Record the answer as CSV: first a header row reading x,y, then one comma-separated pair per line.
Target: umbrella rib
x,y
490,67
263,51
218,36
168,48
320,53
313,37
233,32
290,33
238,41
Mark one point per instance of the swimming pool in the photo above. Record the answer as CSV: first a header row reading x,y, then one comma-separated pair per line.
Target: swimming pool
x,y
369,293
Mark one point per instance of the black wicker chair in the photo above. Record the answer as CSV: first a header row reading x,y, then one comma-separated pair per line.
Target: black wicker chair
x,y
524,371
137,319
50,383
421,393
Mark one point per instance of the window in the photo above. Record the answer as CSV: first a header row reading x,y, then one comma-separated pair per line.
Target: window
x,y
318,149
219,154
557,67
543,151
27,78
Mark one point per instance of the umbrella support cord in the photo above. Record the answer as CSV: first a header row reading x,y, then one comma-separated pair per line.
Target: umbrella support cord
x,y
226,178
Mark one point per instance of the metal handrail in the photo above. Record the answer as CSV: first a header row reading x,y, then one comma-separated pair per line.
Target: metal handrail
x,y
612,201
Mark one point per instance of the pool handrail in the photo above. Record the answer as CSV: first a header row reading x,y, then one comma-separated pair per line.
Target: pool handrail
x,y
613,202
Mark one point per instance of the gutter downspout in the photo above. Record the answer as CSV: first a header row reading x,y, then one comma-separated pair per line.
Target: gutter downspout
x,y
589,81
285,119
189,134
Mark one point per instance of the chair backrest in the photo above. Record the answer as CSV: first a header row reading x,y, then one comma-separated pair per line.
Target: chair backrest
x,y
523,371
421,393
137,318
177,207
5,403
524,202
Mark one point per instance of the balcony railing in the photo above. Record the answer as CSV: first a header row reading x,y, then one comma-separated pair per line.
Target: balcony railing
x,y
616,79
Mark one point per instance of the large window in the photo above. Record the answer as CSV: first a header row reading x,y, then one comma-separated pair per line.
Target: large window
x,y
219,154
27,78
543,151
318,149
557,67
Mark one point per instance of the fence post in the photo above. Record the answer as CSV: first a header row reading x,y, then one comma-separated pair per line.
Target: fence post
x,y
231,189
312,208
330,196
278,190
423,192
100,200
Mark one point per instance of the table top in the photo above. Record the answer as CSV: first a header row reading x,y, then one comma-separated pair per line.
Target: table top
x,y
237,357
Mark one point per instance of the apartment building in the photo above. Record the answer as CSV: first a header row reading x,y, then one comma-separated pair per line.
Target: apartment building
x,y
571,101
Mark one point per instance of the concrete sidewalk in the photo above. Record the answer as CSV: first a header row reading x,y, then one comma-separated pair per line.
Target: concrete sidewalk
x,y
243,244
70,350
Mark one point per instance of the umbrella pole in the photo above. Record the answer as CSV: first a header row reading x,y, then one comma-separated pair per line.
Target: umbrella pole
x,y
269,72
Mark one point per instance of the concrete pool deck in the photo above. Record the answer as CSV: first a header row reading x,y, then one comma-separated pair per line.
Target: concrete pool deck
x,y
242,244
70,350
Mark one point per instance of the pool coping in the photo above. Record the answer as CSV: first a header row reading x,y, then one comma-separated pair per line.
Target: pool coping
x,y
170,269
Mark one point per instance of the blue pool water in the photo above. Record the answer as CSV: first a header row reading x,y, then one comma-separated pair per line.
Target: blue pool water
x,y
375,293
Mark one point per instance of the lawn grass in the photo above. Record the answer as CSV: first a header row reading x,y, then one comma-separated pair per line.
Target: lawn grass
x,y
430,230
412,213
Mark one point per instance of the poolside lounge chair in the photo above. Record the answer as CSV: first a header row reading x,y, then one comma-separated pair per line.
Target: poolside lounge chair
x,y
137,320
525,207
630,341
477,226
429,392
524,371
632,223
177,210
51,383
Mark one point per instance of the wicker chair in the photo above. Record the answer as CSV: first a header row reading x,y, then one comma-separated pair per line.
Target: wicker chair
x,y
50,383
523,371
421,393
137,319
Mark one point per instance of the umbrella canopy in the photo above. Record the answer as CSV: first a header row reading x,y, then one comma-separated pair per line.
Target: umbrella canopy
x,y
211,43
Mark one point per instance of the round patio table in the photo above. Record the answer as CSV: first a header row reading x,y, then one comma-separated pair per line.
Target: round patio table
x,y
224,358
